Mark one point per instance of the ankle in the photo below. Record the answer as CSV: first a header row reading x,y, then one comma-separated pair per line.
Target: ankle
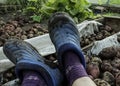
x,y
70,58
32,78
73,67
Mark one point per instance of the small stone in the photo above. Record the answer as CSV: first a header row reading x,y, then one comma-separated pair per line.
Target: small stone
x,y
99,36
35,30
23,33
9,75
108,28
114,71
12,33
30,35
100,82
2,22
108,53
38,26
9,27
106,66
87,41
18,35
93,70
118,79
31,32
52,58
18,30
108,77
23,37
116,63
97,60
15,23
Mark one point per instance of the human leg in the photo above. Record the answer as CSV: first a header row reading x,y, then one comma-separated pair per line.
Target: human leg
x,y
65,36
29,63
73,67
32,78
75,72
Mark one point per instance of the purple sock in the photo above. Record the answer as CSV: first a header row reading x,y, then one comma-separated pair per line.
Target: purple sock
x,y
32,78
73,67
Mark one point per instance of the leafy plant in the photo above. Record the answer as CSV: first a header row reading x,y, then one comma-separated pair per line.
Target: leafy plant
x,y
78,9
114,2
17,2
42,9
33,7
36,18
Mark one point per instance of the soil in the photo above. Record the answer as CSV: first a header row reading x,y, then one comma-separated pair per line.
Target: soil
x,y
108,69
21,27
111,25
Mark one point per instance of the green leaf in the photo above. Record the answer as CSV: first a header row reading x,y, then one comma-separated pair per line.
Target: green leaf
x,y
78,9
67,7
30,8
74,1
73,12
32,0
75,19
51,1
36,18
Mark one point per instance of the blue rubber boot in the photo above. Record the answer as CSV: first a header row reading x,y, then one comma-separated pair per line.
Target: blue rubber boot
x,y
65,36
26,57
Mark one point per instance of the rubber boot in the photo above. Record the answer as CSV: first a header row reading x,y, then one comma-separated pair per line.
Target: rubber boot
x,y
65,36
26,57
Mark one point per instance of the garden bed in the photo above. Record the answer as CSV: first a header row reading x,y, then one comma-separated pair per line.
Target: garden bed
x,y
110,27
106,8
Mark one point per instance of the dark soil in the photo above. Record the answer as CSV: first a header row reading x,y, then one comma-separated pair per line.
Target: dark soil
x,y
103,72
108,69
111,25
8,75
21,27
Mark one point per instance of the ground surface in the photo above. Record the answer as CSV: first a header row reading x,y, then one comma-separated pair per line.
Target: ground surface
x,y
17,26
110,2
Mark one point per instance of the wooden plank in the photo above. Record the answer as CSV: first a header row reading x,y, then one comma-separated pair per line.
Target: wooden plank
x,y
111,8
107,6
